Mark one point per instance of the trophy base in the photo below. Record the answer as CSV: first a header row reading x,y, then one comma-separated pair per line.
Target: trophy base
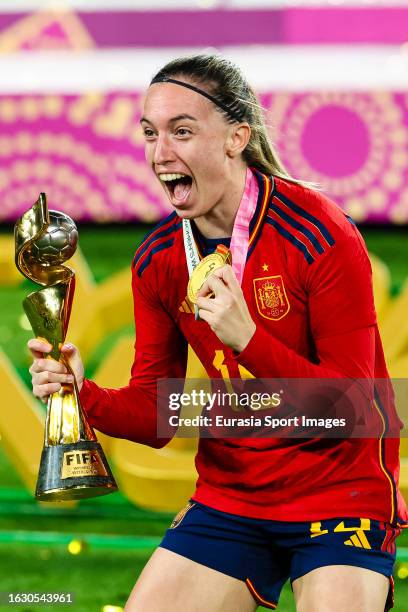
x,y
74,471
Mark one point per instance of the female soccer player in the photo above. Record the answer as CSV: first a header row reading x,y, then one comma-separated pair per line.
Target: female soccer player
x,y
297,302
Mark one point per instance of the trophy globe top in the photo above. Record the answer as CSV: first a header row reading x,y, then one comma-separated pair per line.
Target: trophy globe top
x,y
45,240
59,241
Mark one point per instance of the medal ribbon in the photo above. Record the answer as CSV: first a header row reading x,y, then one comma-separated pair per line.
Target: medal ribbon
x,y
190,247
240,233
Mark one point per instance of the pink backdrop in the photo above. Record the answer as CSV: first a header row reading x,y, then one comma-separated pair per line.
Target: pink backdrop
x,y
86,150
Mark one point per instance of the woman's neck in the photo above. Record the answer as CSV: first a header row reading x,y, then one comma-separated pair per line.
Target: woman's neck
x,y
219,221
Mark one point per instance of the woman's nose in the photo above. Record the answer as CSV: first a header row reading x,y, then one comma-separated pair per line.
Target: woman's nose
x,y
163,151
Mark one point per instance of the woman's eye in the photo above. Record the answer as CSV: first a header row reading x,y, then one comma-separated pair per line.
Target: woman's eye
x,y
183,132
148,133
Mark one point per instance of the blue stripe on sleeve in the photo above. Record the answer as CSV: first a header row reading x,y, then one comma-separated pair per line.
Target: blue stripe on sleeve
x,y
156,249
306,215
304,230
297,243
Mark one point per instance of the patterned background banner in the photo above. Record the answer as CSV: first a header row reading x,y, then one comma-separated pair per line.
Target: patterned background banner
x,y
86,153
354,144
85,149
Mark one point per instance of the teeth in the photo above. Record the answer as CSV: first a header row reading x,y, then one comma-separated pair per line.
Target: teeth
x,y
171,177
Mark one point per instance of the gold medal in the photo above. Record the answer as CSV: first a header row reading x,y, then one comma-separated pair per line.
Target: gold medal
x,y
205,268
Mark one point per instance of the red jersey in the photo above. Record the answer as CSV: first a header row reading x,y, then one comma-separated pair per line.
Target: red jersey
x,y
324,326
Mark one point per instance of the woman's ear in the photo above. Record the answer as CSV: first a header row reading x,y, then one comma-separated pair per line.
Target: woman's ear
x,y
238,138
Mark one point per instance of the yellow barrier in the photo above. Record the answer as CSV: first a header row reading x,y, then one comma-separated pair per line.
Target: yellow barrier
x,y
381,285
98,309
21,424
9,274
394,328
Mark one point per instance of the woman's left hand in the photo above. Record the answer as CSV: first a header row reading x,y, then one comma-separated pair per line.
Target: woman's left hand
x,y
226,312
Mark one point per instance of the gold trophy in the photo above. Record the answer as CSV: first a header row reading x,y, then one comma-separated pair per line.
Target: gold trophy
x,y
73,464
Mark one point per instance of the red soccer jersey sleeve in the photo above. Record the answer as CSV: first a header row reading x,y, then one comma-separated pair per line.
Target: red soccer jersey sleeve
x,y
160,352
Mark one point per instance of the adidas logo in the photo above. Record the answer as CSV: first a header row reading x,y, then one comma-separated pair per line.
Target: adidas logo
x,y
358,539
186,306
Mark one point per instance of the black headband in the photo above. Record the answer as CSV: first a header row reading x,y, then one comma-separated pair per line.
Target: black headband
x,y
232,111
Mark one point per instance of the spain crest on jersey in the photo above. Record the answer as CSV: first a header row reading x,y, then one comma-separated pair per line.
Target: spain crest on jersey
x,y
271,299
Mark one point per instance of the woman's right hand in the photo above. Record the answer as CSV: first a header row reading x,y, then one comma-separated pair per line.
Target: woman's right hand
x,y
48,374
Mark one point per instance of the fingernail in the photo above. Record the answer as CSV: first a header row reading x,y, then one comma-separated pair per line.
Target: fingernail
x,y
68,346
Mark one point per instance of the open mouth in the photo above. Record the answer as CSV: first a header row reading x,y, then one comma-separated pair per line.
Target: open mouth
x,y
177,185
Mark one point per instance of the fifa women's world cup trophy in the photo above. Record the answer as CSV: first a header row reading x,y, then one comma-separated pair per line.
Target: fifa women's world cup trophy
x,y
73,464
